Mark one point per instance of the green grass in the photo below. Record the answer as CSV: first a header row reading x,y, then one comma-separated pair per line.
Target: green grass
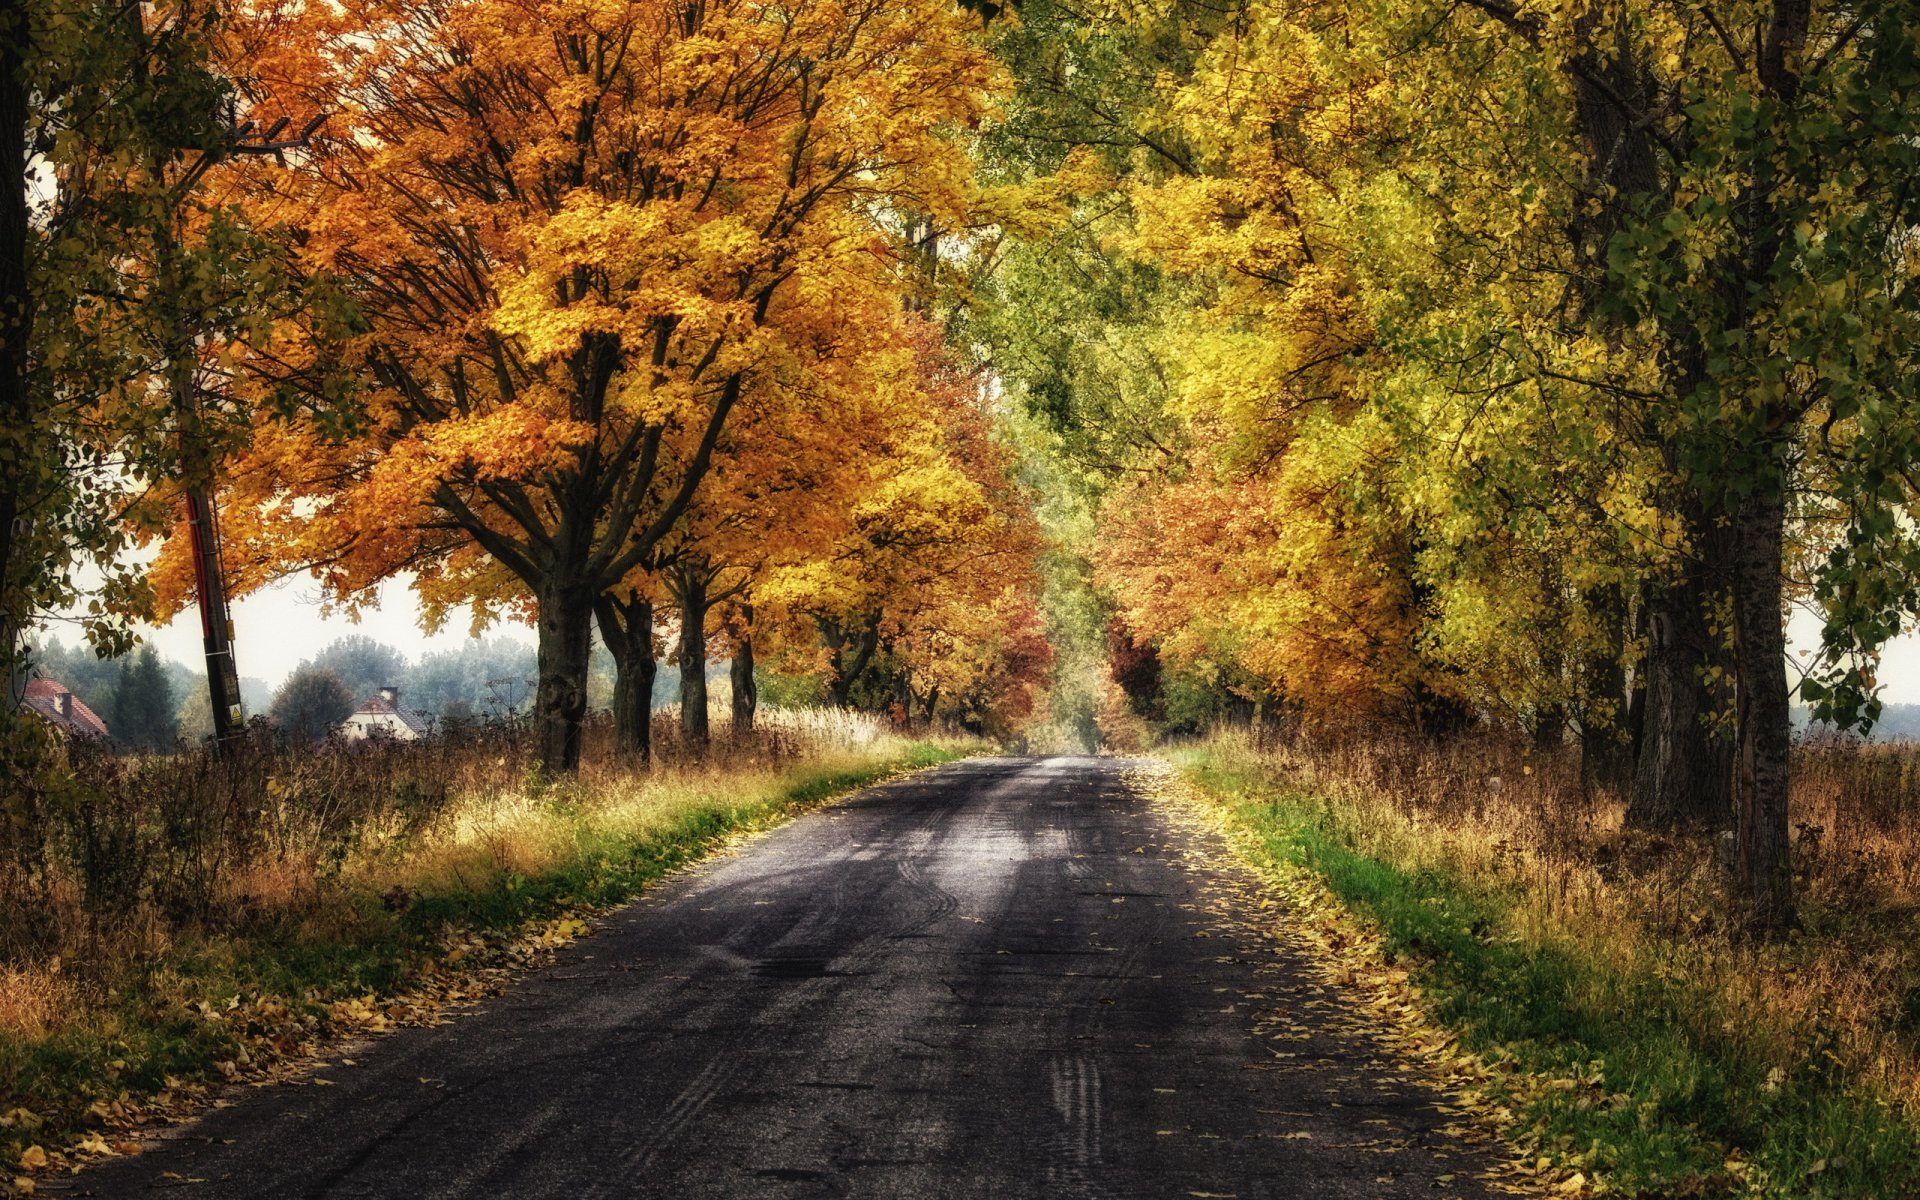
x,y
348,939
1677,1090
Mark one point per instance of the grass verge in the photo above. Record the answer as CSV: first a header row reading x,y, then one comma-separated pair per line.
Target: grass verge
x,y
400,925
1632,1070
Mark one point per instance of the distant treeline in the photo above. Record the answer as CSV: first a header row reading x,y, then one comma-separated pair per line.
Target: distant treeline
x,y
151,703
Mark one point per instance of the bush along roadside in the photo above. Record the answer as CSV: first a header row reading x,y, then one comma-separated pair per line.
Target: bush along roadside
x,y
397,937
1613,1081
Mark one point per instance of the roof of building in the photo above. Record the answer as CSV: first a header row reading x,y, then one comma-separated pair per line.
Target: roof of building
x,y
380,706
52,700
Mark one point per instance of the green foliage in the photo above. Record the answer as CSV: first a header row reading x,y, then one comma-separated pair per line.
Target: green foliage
x,y
487,675
145,710
362,665
311,704
780,690
1196,700
1094,79
86,673
132,268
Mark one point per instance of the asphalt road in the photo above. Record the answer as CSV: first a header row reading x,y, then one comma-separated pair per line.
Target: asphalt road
x,y
1002,978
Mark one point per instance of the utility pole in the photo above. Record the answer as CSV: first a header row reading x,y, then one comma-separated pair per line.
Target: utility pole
x,y
203,521
216,622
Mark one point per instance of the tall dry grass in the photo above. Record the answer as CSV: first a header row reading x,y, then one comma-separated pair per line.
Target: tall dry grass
x,y
1506,815
126,859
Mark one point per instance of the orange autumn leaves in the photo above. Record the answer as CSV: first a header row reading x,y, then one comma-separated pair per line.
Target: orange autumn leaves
x,y
625,289
1263,576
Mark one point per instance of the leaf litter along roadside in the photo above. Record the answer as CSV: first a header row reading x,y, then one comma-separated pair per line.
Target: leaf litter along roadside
x,y
288,1040
1377,1003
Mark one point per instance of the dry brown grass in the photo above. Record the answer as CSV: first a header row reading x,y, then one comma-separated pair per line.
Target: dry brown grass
x,y
1507,815
136,856
35,998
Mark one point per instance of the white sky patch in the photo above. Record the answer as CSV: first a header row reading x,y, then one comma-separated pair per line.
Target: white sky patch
x,y
278,627
1899,660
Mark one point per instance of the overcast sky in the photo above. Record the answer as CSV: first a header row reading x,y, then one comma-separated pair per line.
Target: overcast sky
x,y
277,628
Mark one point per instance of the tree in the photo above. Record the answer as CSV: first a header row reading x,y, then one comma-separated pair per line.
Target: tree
x,y
486,675
938,534
362,665
145,707
110,248
572,235
311,704
86,673
773,497
128,271
1608,298
1753,199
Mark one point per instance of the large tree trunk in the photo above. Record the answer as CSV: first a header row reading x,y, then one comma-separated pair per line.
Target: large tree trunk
x,y
690,592
560,703
1764,862
849,657
1637,696
746,695
16,322
1682,778
626,626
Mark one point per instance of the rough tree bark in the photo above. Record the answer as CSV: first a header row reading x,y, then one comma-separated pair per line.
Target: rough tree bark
x,y
1757,559
849,654
901,710
746,694
560,701
626,626
689,585
1681,778
1760,649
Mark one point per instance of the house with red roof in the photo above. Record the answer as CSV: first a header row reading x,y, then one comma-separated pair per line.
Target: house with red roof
x,y
68,713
